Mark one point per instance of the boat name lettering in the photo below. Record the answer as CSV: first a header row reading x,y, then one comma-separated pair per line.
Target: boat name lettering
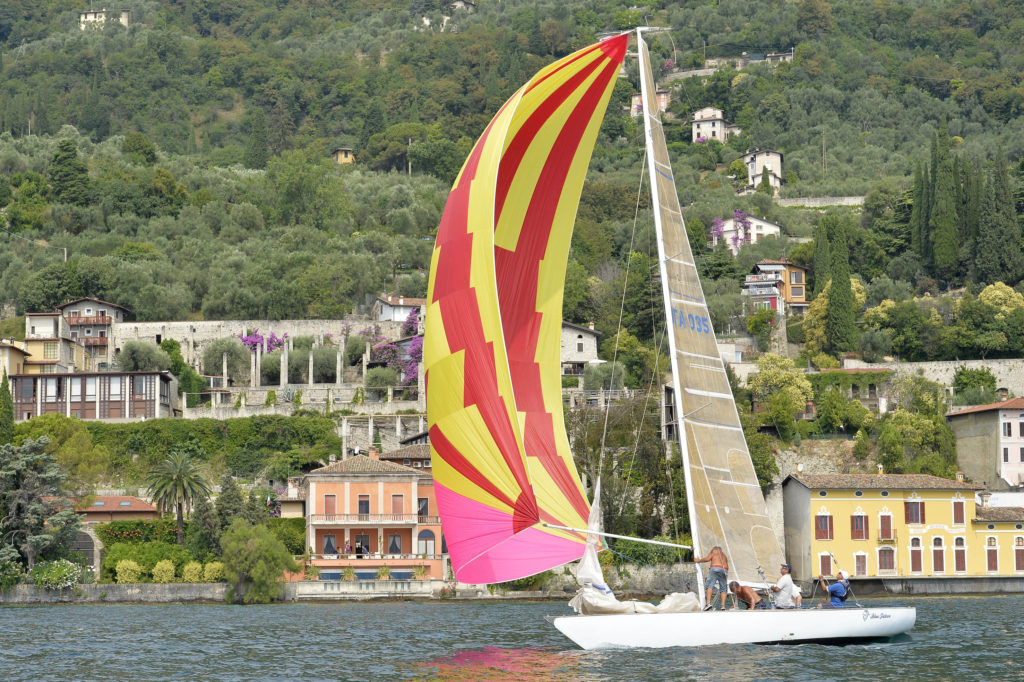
x,y
697,323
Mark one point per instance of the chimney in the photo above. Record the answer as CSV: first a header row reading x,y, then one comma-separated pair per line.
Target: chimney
x,y
590,324
960,476
374,454
401,300
983,498
879,469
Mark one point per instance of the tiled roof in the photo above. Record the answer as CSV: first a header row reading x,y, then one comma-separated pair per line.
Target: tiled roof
x,y
1012,404
405,300
999,514
881,482
418,451
94,300
117,503
361,464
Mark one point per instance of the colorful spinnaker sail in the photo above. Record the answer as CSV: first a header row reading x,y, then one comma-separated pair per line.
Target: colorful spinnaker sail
x,y
500,456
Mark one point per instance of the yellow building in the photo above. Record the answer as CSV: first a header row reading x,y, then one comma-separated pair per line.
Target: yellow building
x,y
897,526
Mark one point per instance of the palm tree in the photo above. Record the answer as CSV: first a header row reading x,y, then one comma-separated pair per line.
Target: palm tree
x,y
175,483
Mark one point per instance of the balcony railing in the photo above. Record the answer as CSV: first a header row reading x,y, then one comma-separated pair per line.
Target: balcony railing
x,y
341,556
372,518
95,320
93,340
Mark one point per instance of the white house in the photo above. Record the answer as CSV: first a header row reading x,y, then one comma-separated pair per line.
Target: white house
x,y
709,124
98,17
392,308
579,348
637,105
736,235
756,160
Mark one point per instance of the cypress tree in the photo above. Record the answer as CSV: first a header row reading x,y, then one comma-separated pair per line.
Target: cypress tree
x,y
840,316
256,150
6,411
998,257
69,176
942,220
919,211
229,503
765,186
822,257
255,511
203,530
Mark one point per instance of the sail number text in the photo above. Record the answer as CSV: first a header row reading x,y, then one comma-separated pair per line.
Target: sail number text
x,y
696,323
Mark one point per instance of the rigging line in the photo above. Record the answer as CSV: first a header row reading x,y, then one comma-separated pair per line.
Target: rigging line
x,y
37,242
622,306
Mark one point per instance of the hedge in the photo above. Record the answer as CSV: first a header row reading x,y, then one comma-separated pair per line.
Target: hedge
x,y
292,532
154,530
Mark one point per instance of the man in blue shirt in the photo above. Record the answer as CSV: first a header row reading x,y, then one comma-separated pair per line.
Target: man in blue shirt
x,y
837,591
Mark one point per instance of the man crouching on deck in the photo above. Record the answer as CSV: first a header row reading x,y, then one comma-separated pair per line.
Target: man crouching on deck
x,y
718,574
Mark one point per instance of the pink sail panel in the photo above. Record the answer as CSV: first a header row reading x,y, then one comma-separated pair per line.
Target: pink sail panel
x,y
500,455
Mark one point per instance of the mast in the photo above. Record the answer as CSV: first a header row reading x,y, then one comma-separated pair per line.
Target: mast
x,y
647,98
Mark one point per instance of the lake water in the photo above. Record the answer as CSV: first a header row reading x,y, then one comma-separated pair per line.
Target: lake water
x,y
961,638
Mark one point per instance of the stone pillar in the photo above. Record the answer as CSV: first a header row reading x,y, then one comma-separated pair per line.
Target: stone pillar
x,y
391,394
224,368
419,423
311,366
398,428
338,368
259,364
344,438
369,432
283,379
252,369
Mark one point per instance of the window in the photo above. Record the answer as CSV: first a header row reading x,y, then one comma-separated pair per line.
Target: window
x,y
423,507
914,512
88,331
1018,553
27,389
859,527
1020,427
938,556
140,386
330,505
1007,429
579,343
885,527
886,559
825,561
50,349
76,388
860,564
823,527
330,547
394,543
991,555
90,388
99,503
52,390
959,555
797,292
1006,454
124,503
425,542
1022,454
103,313
364,504
915,555
397,504
115,388
796,277
958,512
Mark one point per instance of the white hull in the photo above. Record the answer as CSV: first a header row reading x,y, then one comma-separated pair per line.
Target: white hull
x,y
658,630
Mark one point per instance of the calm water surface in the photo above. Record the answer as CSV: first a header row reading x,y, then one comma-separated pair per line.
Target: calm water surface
x,y
961,638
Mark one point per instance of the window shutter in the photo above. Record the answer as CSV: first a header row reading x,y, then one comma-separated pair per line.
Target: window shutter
x,y
906,512
829,527
854,531
921,507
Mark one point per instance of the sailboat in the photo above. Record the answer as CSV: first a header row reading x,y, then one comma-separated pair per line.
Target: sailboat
x,y
510,498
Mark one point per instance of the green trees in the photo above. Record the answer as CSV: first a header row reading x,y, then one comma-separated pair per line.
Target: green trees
x,y
229,503
140,356
139,148
840,315
254,561
6,411
256,150
942,216
822,257
175,483
69,177
35,517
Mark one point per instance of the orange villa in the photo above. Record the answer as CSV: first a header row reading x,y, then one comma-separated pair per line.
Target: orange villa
x,y
364,513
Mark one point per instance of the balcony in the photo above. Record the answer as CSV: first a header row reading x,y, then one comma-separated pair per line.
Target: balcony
x,y
371,519
90,320
93,340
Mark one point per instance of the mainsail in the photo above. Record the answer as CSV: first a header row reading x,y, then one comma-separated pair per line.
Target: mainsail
x,y
501,459
725,501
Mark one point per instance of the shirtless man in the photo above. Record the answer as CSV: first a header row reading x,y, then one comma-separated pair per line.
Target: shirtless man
x,y
718,574
742,593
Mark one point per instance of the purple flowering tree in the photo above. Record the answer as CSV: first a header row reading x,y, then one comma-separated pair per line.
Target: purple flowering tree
x,y
717,229
268,343
743,225
412,323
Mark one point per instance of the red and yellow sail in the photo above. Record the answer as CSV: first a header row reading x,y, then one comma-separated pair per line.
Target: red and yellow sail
x,y
500,456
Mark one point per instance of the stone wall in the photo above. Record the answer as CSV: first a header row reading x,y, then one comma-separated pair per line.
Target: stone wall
x,y
193,335
115,593
820,202
1009,373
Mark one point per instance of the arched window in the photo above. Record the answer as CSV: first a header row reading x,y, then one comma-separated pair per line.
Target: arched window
x,y
915,555
579,343
960,555
992,554
425,542
938,556
1018,553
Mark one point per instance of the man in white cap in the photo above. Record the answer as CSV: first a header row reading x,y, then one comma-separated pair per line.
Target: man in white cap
x,y
837,591
787,595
